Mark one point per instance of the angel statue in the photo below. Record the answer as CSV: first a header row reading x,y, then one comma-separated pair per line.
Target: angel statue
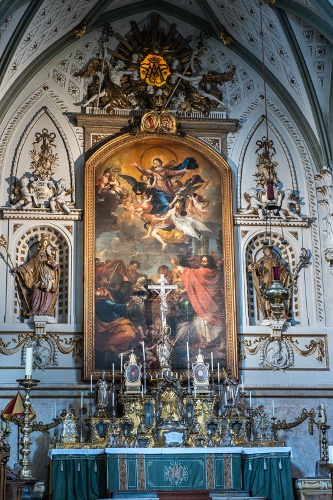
x,y
58,198
255,206
106,83
27,194
290,206
263,275
203,85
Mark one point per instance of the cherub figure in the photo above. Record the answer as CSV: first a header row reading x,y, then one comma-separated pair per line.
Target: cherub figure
x,y
58,199
143,204
28,194
254,204
289,201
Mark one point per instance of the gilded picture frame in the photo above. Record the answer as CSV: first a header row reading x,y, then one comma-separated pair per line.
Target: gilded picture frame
x,y
130,238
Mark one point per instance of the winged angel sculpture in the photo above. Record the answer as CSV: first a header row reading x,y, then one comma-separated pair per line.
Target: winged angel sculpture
x,y
106,83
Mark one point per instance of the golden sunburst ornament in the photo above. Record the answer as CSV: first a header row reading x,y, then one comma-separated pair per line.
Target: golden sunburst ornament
x,y
154,70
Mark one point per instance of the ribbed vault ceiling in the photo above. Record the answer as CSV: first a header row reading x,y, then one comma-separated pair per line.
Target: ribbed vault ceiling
x,y
298,38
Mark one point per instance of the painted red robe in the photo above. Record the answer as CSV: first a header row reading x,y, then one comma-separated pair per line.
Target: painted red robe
x,y
204,289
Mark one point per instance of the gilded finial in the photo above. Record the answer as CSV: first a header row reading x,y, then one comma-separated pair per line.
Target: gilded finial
x,y
80,29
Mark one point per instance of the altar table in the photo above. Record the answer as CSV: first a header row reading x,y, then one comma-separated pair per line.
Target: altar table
x,y
87,474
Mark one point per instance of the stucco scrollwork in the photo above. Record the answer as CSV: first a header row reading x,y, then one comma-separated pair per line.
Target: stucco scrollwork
x,y
324,188
279,353
46,348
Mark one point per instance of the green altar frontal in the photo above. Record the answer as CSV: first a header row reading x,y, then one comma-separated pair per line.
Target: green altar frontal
x,y
167,469
87,474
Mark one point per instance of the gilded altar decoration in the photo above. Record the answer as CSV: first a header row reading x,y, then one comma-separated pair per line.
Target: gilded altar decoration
x,y
101,396
153,69
171,412
133,374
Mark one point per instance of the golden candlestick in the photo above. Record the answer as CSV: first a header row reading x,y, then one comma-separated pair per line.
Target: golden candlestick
x,y
28,383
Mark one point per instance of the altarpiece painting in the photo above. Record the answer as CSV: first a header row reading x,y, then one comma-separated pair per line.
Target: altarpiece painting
x,y
155,205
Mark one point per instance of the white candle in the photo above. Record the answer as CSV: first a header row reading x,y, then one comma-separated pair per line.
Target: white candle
x,y
55,409
273,408
218,373
113,399
142,391
113,373
90,383
28,361
121,362
330,454
195,391
250,399
242,383
143,351
211,358
81,400
188,352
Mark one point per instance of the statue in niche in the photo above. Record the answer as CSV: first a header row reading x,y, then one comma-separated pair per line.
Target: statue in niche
x,y
57,201
40,275
263,275
27,193
170,410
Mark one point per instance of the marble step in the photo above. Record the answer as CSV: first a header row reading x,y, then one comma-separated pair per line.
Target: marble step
x,y
238,497
184,495
135,495
229,493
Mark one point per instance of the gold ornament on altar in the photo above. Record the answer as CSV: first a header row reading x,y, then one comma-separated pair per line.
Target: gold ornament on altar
x,y
69,434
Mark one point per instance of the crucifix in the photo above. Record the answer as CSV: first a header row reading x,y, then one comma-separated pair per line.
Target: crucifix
x,y
163,291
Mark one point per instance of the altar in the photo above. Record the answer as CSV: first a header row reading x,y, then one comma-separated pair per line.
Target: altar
x,y
87,474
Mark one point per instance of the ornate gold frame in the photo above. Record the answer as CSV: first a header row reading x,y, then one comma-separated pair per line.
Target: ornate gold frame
x,y
102,153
